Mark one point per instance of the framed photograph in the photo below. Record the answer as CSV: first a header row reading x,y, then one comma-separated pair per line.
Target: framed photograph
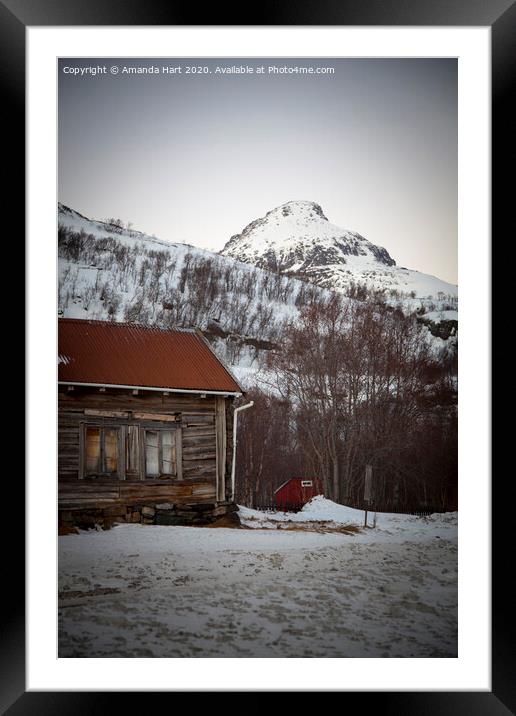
x,y
245,248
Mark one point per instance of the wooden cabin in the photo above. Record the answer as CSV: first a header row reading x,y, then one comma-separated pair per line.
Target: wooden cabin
x,y
144,425
292,494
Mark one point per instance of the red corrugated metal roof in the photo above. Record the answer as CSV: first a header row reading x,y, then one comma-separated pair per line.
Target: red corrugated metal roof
x,y
105,353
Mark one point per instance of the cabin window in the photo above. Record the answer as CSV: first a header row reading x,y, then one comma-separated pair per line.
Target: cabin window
x,y
101,450
306,483
160,453
131,452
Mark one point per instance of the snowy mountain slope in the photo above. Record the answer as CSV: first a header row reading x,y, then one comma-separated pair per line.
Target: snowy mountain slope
x,y
110,272
297,239
74,221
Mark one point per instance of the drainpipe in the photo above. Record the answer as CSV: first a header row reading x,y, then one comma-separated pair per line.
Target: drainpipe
x,y
235,422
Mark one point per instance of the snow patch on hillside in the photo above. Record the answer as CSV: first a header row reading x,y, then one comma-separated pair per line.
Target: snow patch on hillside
x,y
438,316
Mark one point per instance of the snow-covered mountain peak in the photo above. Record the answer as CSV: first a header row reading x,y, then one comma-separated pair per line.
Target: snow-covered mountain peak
x,y
297,238
294,225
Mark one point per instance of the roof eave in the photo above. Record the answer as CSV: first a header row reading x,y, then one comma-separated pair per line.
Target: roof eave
x,y
282,485
198,391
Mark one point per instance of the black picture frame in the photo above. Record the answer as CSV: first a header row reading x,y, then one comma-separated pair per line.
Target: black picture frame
x,y
500,16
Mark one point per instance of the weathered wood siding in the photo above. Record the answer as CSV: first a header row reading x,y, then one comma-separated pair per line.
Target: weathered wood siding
x,y
197,418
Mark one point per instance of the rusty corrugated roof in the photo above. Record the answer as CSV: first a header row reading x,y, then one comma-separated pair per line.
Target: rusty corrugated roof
x,y
105,353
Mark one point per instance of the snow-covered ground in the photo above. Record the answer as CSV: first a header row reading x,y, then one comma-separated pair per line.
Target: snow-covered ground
x,y
152,591
327,515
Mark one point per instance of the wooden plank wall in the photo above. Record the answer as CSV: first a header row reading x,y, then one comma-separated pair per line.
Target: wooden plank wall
x,y
198,450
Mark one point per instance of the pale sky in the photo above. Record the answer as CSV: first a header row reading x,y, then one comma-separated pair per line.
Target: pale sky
x,y
196,157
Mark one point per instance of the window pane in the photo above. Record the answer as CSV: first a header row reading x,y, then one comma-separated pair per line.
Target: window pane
x,y
151,453
168,452
131,449
92,450
110,450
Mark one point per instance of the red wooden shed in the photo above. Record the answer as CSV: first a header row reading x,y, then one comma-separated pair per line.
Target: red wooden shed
x,y
296,492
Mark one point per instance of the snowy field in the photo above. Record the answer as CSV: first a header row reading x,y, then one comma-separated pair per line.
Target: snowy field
x,y
287,586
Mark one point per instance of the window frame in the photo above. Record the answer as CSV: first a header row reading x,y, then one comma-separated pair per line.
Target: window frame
x,y
159,430
119,473
122,431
